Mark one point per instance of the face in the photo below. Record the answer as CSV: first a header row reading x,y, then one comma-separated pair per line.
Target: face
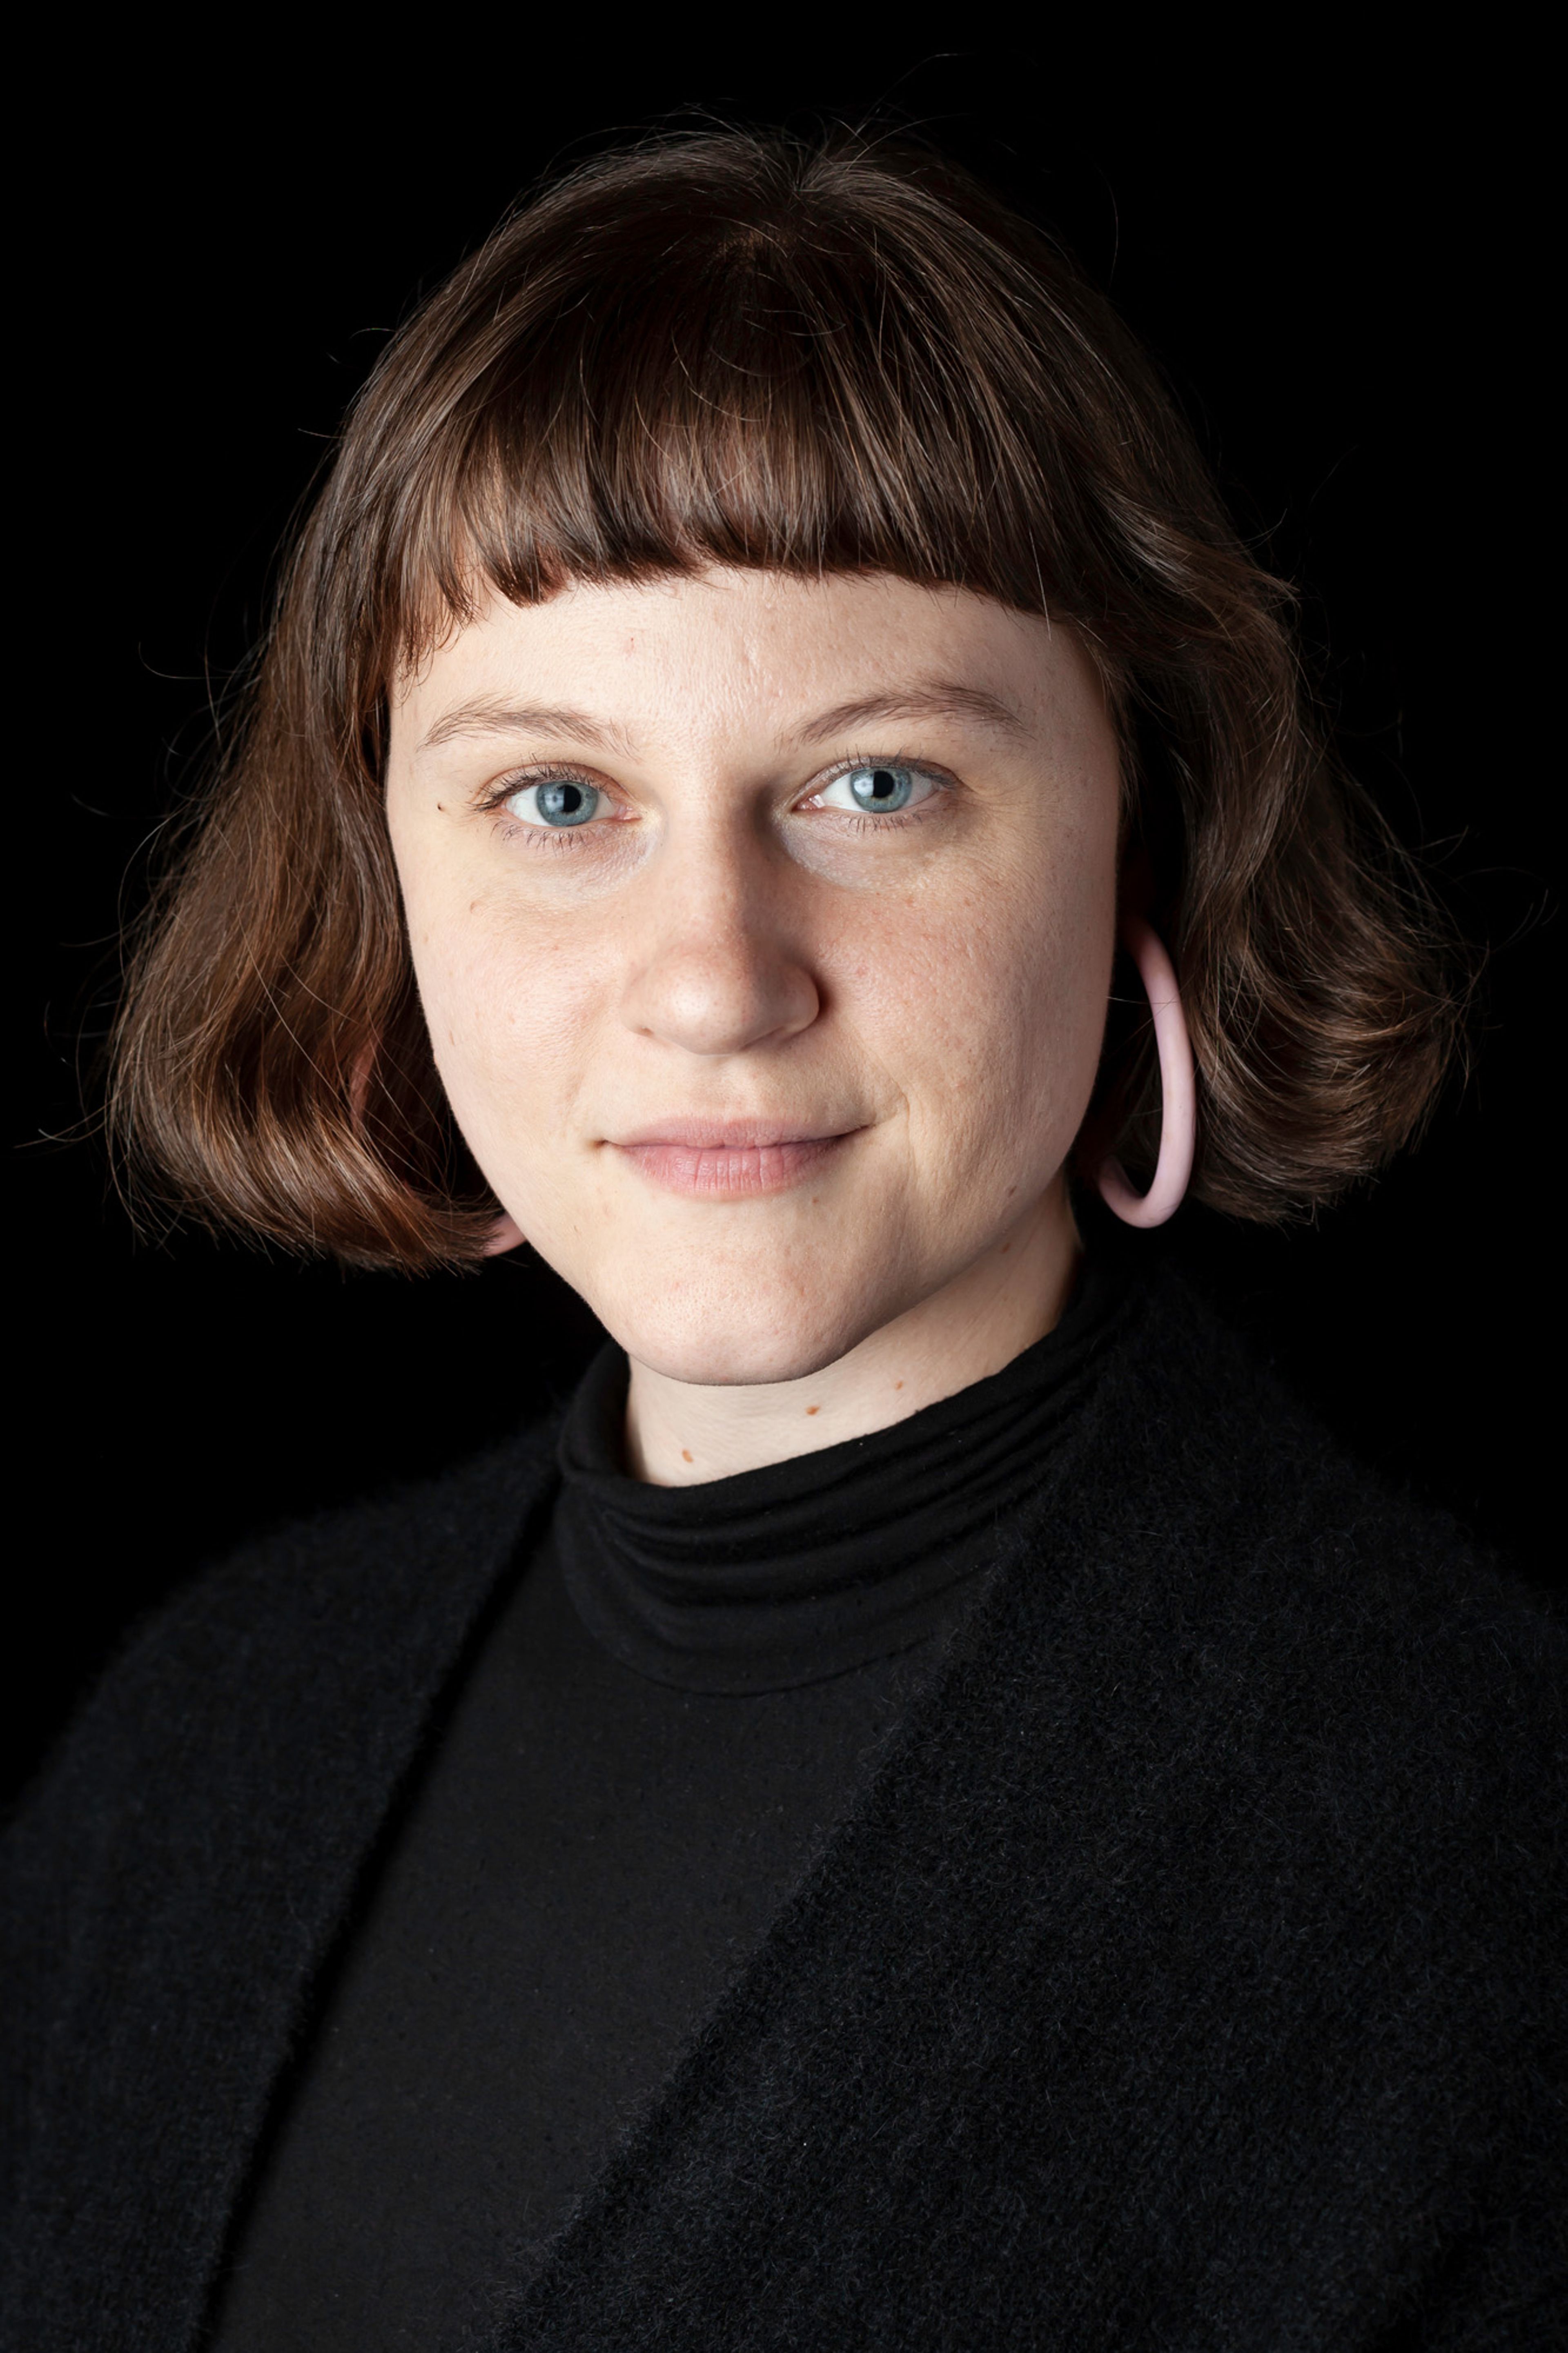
x,y
763,928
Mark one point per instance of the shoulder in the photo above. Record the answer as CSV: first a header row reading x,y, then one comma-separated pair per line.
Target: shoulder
x,y
218,1788
177,1872
1295,1737
1326,1664
324,1638
322,1594
1294,1533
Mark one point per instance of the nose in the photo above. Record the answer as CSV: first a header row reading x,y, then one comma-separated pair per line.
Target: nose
x,y
715,969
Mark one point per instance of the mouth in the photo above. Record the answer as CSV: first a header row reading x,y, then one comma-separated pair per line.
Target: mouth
x,y
724,1158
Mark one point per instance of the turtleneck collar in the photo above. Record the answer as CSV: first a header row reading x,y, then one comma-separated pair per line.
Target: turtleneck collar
x,y
806,1570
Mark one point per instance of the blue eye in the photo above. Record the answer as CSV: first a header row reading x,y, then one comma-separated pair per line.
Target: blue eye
x,y
881,789
567,802
876,788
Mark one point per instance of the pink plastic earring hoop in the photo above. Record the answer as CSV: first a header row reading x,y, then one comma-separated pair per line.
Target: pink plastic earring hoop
x,y
1178,1090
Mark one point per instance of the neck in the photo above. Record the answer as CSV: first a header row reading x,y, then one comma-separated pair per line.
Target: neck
x,y
679,1435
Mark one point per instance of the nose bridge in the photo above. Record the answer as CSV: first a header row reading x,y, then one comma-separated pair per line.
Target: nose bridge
x,y
719,966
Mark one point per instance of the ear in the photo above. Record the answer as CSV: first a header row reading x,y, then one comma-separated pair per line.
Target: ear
x,y
505,1235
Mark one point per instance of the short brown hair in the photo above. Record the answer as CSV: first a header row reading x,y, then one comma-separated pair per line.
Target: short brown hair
x,y
841,356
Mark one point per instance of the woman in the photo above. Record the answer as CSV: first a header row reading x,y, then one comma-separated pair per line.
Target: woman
x,y
931,1808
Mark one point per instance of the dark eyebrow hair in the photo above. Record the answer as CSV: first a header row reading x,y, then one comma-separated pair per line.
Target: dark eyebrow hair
x,y
938,701
489,716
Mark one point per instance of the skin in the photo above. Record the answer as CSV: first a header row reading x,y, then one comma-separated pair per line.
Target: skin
x,y
784,1089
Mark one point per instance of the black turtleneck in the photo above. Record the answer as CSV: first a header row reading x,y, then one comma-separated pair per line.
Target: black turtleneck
x,y
677,1703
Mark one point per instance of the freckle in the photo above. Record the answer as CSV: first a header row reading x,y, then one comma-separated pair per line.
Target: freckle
x,y
897,1384
816,1200
686,1454
814,1408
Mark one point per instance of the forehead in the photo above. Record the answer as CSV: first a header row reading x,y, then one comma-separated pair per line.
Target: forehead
x,y
743,651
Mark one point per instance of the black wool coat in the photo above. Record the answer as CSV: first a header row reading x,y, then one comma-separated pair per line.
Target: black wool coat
x,y
1187,1976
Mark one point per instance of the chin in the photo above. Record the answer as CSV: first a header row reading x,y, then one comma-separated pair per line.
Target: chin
x,y
743,1338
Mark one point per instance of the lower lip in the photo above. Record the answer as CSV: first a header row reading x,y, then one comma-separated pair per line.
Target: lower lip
x,y
724,1171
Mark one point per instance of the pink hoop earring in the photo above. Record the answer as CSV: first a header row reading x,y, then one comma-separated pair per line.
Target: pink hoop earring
x,y
1178,1090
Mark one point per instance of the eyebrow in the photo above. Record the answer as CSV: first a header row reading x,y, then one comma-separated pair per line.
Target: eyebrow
x,y
489,717
941,699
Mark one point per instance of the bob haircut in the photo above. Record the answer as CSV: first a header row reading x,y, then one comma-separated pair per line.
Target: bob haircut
x,y
831,357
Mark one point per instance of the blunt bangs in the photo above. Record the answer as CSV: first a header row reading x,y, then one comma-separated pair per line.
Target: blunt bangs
x,y
750,373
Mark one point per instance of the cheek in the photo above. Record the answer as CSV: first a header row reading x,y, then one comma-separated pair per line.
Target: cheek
x,y
503,1005
988,1010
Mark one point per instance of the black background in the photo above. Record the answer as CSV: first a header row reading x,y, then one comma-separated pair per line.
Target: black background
x,y
1333,262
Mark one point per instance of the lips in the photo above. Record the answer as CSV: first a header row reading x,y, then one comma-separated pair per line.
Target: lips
x,y
719,1158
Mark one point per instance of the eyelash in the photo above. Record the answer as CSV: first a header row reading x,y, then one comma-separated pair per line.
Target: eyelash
x,y
563,837
521,779
883,758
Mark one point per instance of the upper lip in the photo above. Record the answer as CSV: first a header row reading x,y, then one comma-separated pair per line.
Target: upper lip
x,y
733,1134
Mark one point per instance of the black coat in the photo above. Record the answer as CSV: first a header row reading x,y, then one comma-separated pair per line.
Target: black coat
x,y
1187,1976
